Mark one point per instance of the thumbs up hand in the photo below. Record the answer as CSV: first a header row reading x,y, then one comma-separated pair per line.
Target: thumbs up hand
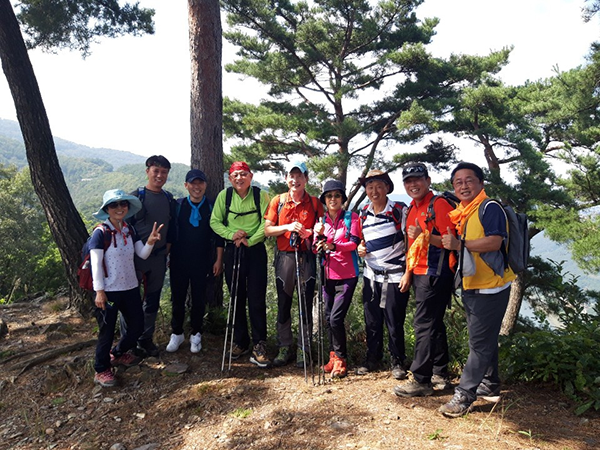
x,y
449,242
414,230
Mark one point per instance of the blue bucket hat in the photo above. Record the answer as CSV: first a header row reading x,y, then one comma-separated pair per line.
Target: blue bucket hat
x,y
117,195
333,185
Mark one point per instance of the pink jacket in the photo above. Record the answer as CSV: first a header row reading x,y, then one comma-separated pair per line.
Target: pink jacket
x,y
342,263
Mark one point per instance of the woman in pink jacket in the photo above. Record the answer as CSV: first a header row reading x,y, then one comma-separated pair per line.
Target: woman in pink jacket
x,y
337,236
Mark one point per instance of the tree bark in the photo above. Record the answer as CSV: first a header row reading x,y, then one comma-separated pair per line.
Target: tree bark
x,y
66,226
514,305
206,114
206,104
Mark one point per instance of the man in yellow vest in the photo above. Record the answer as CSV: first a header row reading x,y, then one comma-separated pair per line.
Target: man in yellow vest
x,y
485,290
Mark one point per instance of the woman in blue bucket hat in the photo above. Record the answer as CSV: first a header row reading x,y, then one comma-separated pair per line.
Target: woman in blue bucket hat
x,y
113,245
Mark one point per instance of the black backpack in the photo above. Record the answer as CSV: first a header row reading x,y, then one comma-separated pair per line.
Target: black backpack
x,y
229,196
516,252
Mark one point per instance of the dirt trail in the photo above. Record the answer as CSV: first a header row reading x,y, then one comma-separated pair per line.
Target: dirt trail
x,y
55,405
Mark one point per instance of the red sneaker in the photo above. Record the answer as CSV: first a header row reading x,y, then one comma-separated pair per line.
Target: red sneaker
x,y
339,368
106,378
327,368
126,360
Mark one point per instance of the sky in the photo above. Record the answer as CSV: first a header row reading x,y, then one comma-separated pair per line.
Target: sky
x,y
132,93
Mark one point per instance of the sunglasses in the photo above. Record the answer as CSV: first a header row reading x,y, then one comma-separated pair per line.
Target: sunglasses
x,y
414,169
122,204
333,195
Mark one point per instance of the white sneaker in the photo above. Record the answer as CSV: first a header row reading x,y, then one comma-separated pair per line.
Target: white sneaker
x,y
174,343
196,343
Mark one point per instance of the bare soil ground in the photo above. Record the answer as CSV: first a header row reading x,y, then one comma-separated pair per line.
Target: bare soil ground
x,y
55,405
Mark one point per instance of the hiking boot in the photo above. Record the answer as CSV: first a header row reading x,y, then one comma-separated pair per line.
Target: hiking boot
x,y
125,360
147,348
237,351
300,356
174,343
106,378
458,406
259,355
283,357
413,389
327,368
339,369
440,382
398,370
487,393
367,366
196,343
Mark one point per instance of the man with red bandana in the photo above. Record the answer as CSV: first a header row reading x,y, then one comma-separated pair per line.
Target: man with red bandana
x,y
242,226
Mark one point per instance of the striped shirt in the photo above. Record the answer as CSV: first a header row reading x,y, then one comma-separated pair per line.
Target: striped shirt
x,y
385,244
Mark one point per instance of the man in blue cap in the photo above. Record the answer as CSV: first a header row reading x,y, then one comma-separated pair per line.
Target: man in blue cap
x,y
293,214
190,266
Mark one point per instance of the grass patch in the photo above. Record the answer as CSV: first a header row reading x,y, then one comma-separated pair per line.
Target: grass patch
x,y
241,413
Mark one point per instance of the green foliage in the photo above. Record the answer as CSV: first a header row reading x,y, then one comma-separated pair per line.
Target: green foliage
x,y
53,24
566,356
324,63
30,261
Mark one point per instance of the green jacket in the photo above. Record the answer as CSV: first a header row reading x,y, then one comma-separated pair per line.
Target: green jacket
x,y
250,223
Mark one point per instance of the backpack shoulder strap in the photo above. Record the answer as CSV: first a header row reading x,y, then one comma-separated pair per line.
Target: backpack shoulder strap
x,y
348,222
228,197
141,193
256,194
282,200
179,202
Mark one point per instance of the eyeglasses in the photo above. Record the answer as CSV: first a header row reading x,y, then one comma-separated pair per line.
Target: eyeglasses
x,y
239,174
466,181
122,204
333,195
414,169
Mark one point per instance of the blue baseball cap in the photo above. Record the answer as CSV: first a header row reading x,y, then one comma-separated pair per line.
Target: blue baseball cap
x,y
297,165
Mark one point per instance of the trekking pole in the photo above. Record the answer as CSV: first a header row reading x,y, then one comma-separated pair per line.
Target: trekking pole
x,y
295,243
320,347
235,274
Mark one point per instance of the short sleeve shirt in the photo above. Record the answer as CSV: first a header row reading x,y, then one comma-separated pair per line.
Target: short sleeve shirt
x,y
118,257
306,212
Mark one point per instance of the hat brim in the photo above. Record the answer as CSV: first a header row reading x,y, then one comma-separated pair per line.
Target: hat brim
x,y
383,177
135,205
322,197
414,175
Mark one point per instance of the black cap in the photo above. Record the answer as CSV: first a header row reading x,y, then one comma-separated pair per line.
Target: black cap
x,y
195,174
414,170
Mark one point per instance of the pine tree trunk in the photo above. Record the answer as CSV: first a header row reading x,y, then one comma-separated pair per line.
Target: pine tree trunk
x,y
514,305
206,104
66,226
206,113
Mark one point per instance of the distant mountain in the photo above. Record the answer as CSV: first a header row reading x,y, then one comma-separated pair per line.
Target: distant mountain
x,y
11,143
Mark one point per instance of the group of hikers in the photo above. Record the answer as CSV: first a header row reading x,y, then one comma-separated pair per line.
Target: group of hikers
x,y
318,246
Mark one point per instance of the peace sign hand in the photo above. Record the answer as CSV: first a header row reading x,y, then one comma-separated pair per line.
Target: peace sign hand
x,y
155,235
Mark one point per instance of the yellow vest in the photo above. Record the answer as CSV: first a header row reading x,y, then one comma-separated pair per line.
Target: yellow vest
x,y
485,277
